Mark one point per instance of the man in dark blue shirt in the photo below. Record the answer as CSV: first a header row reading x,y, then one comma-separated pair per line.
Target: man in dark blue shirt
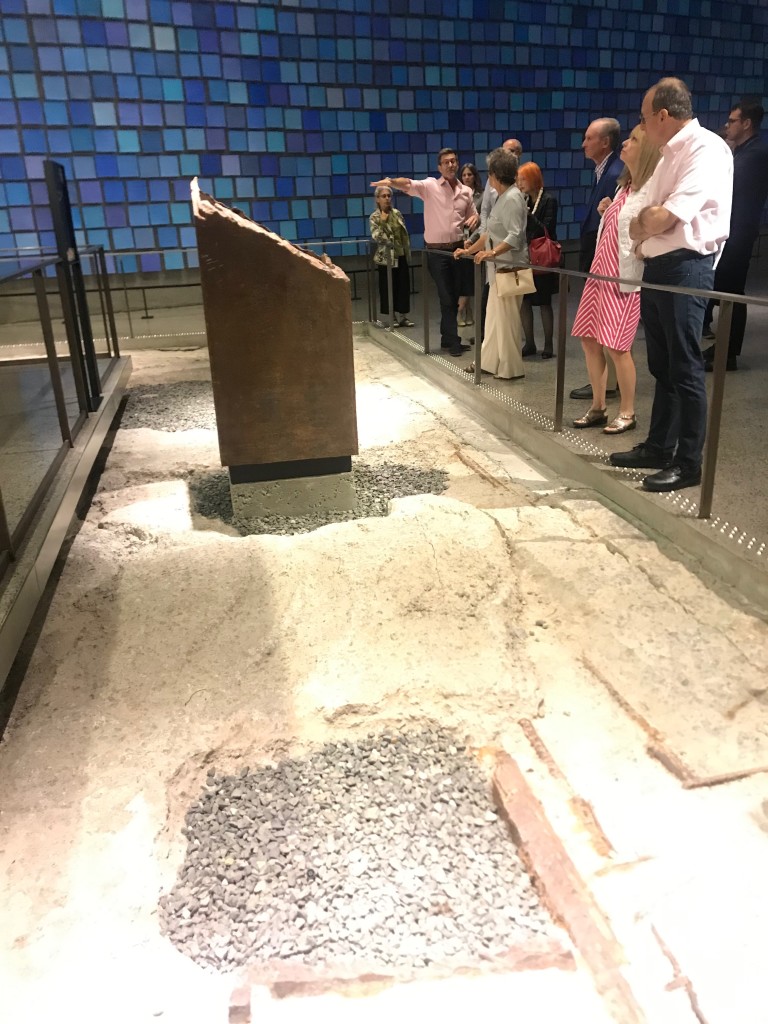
x,y
750,191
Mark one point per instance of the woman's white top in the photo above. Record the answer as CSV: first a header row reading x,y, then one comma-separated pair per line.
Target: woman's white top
x,y
629,265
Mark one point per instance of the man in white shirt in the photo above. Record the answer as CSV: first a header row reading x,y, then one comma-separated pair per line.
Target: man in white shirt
x,y
680,235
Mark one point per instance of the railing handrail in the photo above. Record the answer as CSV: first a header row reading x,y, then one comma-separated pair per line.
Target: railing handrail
x,y
563,272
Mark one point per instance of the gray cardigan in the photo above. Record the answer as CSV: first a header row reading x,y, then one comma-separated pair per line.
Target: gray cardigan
x,y
507,223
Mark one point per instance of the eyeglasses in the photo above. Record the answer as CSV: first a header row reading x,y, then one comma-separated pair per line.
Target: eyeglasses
x,y
733,120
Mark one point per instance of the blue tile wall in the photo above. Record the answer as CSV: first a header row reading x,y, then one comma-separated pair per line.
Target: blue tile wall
x,y
288,108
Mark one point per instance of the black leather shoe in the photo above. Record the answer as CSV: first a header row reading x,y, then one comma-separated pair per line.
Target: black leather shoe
x,y
528,350
459,351
640,457
708,354
586,392
672,479
730,364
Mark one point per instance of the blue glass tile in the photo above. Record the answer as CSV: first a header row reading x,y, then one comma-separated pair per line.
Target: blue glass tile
x,y
150,262
22,219
122,238
190,164
173,260
85,167
210,164
137,191
128,140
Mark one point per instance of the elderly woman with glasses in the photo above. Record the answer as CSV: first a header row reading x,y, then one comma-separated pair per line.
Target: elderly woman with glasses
x,y
393,248
504,243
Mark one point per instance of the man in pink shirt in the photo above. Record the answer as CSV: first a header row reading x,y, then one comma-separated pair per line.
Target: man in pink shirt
x,y
679,235
448,207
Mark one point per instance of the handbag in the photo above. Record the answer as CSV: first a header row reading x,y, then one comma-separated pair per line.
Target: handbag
x,y
514,281
545,251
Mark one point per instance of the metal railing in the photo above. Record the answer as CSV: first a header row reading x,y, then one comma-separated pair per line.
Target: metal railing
x,y
81,358
715,404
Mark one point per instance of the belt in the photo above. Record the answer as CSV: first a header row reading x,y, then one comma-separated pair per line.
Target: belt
x,y
449,246
680,254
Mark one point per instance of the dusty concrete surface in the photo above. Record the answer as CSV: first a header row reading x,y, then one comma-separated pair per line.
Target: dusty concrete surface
x,y
172,644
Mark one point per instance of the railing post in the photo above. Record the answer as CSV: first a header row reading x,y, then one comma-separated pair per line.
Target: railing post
x,y
146,315
562,317
6,544
125,293
53,360
370,270
77,359
113,345
709,465
390,289
425,306
478,316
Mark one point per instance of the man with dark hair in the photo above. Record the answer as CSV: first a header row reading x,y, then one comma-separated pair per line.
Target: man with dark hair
x,y
448,207
750,191
601,146
679,234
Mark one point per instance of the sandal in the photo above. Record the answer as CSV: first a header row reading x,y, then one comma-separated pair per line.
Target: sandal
x,y
591,418
620,424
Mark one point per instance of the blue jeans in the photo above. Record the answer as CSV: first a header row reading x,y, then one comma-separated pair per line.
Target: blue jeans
x,y
673,326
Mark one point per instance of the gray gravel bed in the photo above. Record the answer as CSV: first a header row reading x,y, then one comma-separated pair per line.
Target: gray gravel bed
x,y
376,485
384,851
186,405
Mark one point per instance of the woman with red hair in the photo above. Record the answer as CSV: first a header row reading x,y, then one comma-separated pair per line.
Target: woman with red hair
x,y
542,218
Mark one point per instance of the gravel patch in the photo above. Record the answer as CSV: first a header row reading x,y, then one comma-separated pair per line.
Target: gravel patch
x,y
376,485
186,405
383,851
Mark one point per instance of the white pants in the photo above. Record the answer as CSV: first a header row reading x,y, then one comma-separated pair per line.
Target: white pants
x,y
501,353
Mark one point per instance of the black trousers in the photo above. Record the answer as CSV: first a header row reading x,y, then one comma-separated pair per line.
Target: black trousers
x,y
672,331
448,275
401,287
731,276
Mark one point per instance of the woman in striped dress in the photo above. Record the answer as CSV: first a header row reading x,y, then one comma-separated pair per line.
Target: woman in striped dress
x,y
609,313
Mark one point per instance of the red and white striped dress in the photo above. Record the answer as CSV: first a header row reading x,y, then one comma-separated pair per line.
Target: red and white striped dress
x,y
605,313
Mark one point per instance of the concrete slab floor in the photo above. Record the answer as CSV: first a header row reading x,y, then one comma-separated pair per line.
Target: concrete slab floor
x,y
171,645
